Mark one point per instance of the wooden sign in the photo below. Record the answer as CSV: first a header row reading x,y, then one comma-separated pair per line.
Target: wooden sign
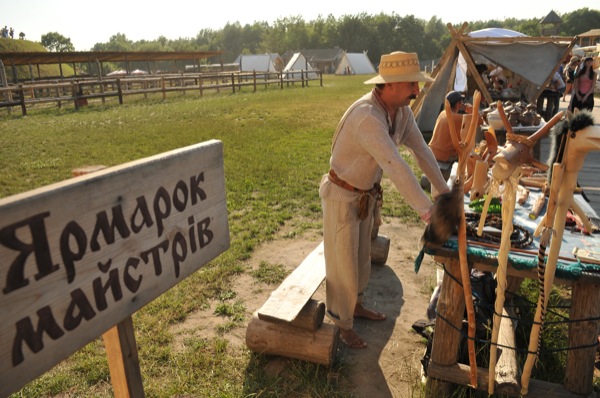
x,y
80,256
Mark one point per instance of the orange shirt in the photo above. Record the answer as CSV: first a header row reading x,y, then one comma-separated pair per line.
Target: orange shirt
x,y
441,142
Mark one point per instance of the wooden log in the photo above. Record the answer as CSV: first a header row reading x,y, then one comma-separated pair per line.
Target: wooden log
x,y
585,304
380,248
282,339
310,317
507,370
446,339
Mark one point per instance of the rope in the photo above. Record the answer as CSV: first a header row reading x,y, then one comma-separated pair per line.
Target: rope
x,y
464,335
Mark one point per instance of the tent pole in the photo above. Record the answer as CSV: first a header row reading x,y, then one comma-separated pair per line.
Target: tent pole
x,y
549,78
471,66
418,102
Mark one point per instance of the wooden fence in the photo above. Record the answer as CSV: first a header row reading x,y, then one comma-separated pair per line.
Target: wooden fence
x,y
79,91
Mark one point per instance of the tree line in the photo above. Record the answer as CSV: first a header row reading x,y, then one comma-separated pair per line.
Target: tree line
x,y
377,34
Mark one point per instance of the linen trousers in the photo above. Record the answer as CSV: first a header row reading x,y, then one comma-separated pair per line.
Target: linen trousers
x,y
347,250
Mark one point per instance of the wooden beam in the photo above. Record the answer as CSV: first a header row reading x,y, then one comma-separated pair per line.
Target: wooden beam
x,y
471,64
459,374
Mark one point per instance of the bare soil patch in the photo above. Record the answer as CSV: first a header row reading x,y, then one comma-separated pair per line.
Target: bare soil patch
x,y
390,365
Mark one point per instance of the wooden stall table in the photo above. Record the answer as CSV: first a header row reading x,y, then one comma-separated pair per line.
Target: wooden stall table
x,y
583,278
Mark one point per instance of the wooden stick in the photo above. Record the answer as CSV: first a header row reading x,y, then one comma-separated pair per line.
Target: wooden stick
x,y
508,207
463,148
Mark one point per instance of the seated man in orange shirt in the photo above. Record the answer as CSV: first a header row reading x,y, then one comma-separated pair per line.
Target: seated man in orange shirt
x,y
441,142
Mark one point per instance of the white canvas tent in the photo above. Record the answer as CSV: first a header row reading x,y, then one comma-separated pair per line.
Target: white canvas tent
x,y
298,63
355,64
256,62
533,60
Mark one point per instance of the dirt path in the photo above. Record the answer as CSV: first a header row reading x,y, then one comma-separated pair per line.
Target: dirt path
x,y
389,366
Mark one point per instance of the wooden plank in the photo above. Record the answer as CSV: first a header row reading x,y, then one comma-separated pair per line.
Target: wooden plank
x,y
79,256
287,300
459,374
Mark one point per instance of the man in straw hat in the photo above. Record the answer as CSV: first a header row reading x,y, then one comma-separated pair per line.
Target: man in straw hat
x,y
365,146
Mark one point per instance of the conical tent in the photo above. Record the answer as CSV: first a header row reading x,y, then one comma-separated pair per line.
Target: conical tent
x,y
256,62
533,60
297,64
355,64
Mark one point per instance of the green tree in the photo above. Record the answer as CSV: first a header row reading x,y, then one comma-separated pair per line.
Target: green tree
x,y
118,42
580,21
55,42
355,32
436,39
410,33
232,41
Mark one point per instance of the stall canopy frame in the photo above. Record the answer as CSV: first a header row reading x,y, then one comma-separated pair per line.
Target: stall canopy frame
x,y
534,59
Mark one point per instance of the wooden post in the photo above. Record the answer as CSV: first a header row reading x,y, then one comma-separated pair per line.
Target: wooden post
x,y
22,100
446,339
123,362
120,91
585,304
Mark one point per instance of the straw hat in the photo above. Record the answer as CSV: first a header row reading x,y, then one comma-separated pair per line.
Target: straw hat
x,y
399,67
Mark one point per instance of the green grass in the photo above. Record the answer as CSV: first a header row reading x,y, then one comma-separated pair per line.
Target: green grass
x,y
276,148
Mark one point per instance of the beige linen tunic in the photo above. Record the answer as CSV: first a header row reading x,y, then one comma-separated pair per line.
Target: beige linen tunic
x,y
363,148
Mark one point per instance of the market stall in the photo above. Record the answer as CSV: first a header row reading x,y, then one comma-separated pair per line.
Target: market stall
x,y
530,62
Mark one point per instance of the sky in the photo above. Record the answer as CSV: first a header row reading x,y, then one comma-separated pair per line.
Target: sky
x,y
89,22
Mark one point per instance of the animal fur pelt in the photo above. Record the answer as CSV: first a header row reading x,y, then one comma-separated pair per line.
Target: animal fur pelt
x,y
445,217
573,123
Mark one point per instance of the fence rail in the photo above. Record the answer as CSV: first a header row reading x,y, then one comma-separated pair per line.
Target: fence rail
x,y
78,91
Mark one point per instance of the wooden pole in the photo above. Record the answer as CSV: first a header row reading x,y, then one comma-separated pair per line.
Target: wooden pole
x,y
446,339
123,362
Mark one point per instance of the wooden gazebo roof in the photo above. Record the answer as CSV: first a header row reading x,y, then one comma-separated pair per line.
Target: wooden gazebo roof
x,y
39,58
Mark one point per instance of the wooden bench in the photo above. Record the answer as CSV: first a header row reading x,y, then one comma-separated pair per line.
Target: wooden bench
x,y
290,322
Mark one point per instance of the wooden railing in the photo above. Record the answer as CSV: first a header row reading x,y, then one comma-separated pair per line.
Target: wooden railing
x,y
79,91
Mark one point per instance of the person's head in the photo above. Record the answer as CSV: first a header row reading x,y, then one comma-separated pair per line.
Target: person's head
x,y
399,77
587,67
455,99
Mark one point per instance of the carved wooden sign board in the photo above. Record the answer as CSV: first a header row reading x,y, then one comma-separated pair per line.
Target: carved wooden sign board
x,y
79,256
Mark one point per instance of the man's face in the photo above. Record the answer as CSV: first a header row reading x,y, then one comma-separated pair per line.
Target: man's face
x,y
404,92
